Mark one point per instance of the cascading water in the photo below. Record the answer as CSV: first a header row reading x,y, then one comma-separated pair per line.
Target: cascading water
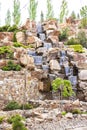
x,y
47,45
38,60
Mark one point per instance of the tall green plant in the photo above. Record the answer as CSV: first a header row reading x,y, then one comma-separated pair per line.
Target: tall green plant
x,y
8,18
50,12
64,86
83,13
16,12
32,9
63,11
73,15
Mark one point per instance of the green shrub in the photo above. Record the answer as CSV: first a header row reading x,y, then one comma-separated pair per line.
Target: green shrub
x,y
64,86
11,66
26,106
12,106
5,49
63,35
1,119
72,41
17,123
76,111
17,44
63,113
82,38
15,118
77,48
8,28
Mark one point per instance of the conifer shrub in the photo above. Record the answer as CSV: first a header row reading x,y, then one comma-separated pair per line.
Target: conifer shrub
x,y
1,119
72,41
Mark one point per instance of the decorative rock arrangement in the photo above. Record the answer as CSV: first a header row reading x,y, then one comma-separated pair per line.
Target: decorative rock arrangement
x,y
47,60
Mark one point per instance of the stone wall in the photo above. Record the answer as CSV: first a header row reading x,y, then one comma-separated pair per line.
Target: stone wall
x,y
13,86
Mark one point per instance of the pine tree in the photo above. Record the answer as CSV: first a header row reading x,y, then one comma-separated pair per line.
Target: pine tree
x,y
50,12
73,15
16,12
63,11
32,9
8,18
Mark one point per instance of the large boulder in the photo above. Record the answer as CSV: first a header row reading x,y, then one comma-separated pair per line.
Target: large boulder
x,y
6,43
53,39
54,65
27,61
7,36
18,51
83,75
20,36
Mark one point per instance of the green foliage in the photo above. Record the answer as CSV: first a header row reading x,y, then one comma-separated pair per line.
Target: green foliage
x,y
64,86
82,38
83,13
63,11
16,121
50,13
64,113
8,18
15,118
8,28
76,111
73,15
77,48
72,41
63,35
16,12
32,9
26,106
6,51
17,44
1,119
12,106
11,66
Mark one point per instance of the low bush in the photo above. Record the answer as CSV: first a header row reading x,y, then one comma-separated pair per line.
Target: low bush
x,y
26,106
8,28
76,111
17,123
1,119
77,48
11,66
72,41
12,106
17,44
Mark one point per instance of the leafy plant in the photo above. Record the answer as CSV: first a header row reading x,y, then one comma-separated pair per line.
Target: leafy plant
x,y
11,66
26,106
1,119
64,86
17,123
12,106
63,35
15,118
17,44
77,48
76,111
8,28
64,113
72,41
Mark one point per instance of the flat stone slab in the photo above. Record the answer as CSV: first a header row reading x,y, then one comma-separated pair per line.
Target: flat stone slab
x,y
81,128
